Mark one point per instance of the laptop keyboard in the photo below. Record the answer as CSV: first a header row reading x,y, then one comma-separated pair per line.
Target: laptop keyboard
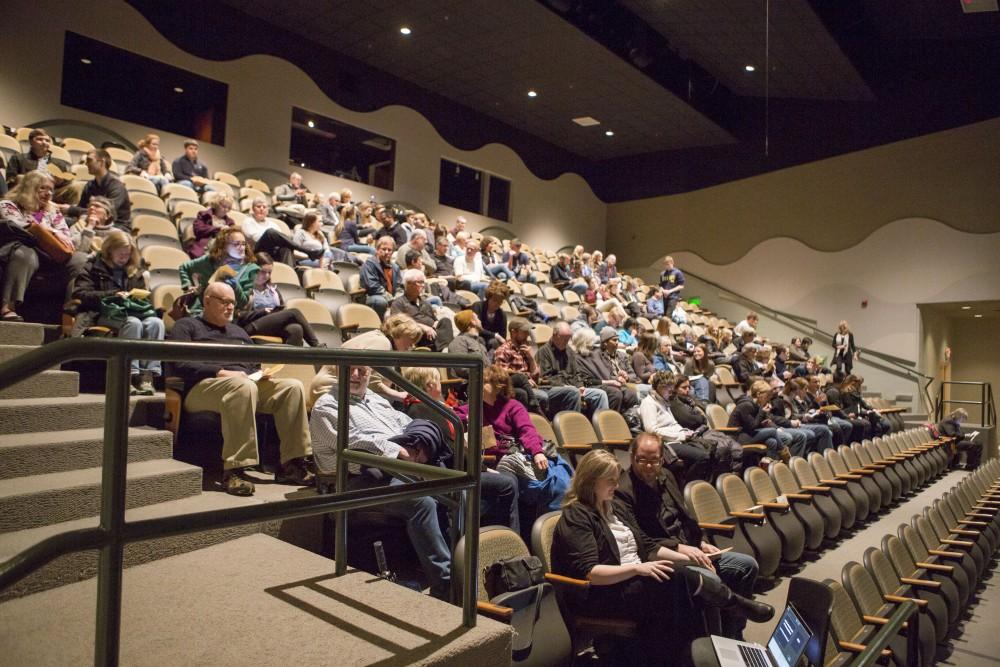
x,y
753,657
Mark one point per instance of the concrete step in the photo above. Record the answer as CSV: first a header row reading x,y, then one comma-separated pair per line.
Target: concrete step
x,y
23,454
22,333
8,352
82,565
47,384
35,415
40,500
224,605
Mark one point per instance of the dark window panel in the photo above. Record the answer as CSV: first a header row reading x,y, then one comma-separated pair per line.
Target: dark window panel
x,y
336,148
498,206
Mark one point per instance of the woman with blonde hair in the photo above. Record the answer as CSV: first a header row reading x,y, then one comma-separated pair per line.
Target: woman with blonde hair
x,y
630,575
209,221
229,258
28,204
349,231
148,163
844,351
111,276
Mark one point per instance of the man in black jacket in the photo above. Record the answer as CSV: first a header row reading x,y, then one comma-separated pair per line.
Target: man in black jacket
x,y
105,184
650,493
752,415
559,369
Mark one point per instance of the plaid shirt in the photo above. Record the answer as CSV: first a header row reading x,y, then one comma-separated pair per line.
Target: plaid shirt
x,y
513,360
372,422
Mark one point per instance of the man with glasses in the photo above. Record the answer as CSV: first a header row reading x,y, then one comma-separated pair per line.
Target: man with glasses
x,y
558,368
650,492
231,390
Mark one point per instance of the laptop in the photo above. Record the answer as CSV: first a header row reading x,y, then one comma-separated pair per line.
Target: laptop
x,y
784,648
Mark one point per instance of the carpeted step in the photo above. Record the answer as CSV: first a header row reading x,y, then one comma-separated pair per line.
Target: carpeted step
x,y
23,454
22,333
82,565
254,599
34,415
9,351
40,500
47,384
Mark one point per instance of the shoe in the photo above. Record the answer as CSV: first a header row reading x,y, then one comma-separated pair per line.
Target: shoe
x,y
134,381
11,316
295,472
716,594
235,484
785,455
145,386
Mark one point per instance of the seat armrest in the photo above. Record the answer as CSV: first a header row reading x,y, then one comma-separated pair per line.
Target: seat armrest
x,y
881,620
784,507
864,472
959,531
945,554
800,497
494,611
749,516
959,543
728,429
972,523
834,482
921,583
858,648
566,581
848,476
349,327
817,489
936,567
718,527
899,599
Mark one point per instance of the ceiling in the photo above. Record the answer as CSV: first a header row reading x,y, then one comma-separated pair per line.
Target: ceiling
x,y
966,310
487,55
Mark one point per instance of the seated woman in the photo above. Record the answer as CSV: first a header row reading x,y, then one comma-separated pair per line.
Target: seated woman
x,y
229,259
786,404
491,316
542,476
699,368
148,163
309,235
951,427
349,231
854,404
690,414
266,315
492,252
208,222
93,226
27,204
630,575
643,358
114,272
267,236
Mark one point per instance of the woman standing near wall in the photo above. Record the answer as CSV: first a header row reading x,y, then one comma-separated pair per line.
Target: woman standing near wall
x,y
844,352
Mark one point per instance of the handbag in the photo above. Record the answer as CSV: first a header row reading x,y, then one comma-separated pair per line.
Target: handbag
x,y
513,574
115,310
58,250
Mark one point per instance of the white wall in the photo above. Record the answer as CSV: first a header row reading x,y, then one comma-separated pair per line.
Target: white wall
x,y
262,91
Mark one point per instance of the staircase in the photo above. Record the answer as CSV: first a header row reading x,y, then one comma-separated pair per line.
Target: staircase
x,y
51,442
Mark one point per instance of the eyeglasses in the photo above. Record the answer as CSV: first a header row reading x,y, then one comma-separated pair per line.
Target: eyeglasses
x,y
238,244
649,462
224,302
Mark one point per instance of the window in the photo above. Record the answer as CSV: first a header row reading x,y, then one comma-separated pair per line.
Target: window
x,y
467,188
332,147
101,78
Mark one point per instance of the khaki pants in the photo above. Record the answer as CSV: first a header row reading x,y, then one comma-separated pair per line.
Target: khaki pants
x,y
236,399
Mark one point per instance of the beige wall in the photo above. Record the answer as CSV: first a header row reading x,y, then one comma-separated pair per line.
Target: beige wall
x,y
262,91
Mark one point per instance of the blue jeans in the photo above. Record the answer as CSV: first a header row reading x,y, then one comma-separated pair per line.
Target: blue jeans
x,y
158,181
844,427
769,437
556,399
797,441
500,271
498,497
151,328
357,247
700,388
428,540
197,188
823,436
594,400
739,572
378,303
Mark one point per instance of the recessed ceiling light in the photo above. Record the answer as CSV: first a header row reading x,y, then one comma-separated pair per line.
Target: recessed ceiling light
x,y
586,121
86,61
532,93
966,307
978,315
609,133
311,124
178,89
750,68
405,30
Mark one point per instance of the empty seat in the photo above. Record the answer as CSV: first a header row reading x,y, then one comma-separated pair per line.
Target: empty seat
x,y
257,184
821,506
287,281
357,318
541,334
722,529
849,484
146,202
840,500
759,529
135,183
782,512
227,178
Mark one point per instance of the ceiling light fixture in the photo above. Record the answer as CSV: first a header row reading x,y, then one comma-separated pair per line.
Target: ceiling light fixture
x,y
178,89
750,68
532,93
302,164
966,307
586,121
978,315
405,30
609,133
311,124
86,61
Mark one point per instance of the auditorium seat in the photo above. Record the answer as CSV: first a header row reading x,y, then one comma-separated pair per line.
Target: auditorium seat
x,y
840,499
320,319
821,505
760,528
765,494
287,281
721,529
849,484
354,318
146,202
135,184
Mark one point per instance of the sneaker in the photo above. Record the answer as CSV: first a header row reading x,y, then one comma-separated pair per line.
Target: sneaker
x,y
235,484
785,455
145,385
295,472
134,380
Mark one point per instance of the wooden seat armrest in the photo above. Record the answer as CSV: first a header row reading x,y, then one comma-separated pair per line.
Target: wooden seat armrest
x,y
937,567
941,553
750,516
880,620
959,531
876,466
988,504
349,327
494,611
566,581
864,472
357,292
858,648
728,429
578,448
834,482
959,543
718,527
921,583
978,515
817,489
900,599
849,476
784,507
616,443
755,448
800,497
972,523
452,381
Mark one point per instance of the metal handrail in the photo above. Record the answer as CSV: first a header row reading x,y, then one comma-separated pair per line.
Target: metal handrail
x,y
874,646
114,532
986,403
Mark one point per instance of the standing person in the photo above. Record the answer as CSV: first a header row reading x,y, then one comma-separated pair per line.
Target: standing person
x,y
671,283
844,351
188,170
149,163
380,277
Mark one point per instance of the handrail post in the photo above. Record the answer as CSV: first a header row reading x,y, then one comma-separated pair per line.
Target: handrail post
x,y
472,468
113,482
343,426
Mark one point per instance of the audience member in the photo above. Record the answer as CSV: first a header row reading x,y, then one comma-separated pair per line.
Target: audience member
x,y
349,233
329,214
268,236
844,351
436,333
209,221
266,313
228,389
518,262
752,416
188,170
642,359
291,193
492,318
468,340
699,369
681,442
104,184
788,404
654,303
148,163
94,226
951,427
309,238
393,228
749,323
39,156
380,277
418,243
230,259
469,268
493,262
557,362
601,367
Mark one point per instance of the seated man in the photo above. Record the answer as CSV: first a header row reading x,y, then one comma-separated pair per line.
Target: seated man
x,y
515,357
105,184
188,170
518,261
39,156
559,273
650,493
380,277
558,368
378,428
469,267
291,198
604,369
226,388
468,340
418,243
437,333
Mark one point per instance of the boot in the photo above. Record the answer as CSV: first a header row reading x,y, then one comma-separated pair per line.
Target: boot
x,y
716,594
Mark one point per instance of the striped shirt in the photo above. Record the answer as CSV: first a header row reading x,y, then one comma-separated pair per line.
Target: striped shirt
x,y
372,422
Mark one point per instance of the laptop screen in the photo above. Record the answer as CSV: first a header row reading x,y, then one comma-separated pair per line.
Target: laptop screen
x,y
789,639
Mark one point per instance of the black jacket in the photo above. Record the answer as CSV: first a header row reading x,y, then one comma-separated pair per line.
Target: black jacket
x,y
98,281
660,512
559,368
583,540
748,417
686,413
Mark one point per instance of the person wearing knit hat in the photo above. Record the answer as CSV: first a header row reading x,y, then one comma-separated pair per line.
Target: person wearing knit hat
x,y
468,340
91,228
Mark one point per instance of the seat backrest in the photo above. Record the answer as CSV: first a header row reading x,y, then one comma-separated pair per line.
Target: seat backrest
x,y
571,297
844,618
9,145
925,531
549,310
543,426
611,425
783,478
573,428
135,184
541,334
717,416
496,543
552,294
836,461
227,178
314,312
356,313
899,556
760,484
880,568
541,537
470,296
153,224
813,601
60,153
725,374
531,291
164,257
861,586
119,154
178,191
914,544
282,274
257,185
705,502
821,467
322,279
734,492
569,313
142,200
803,472
187,209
